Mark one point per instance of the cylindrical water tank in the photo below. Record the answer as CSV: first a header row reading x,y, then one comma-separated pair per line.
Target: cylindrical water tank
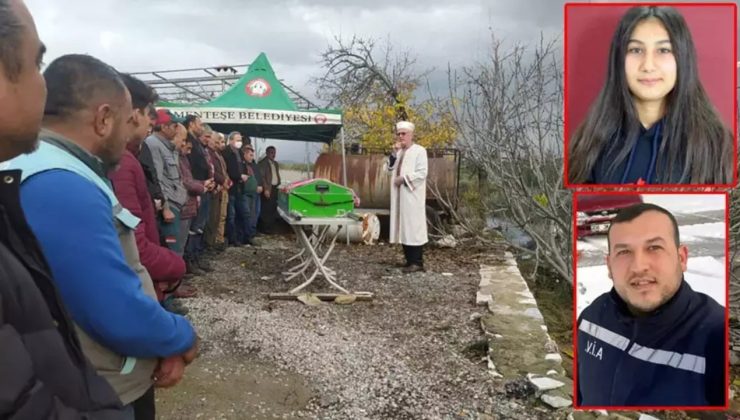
x,y
366,232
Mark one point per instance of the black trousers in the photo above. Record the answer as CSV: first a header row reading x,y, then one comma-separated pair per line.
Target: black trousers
x,y
414,255
144,406
268,212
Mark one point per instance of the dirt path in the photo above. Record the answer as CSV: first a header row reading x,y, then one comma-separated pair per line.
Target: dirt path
x,y
414,352
234,387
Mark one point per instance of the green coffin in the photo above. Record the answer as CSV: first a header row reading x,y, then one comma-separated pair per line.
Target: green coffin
x,y
316,198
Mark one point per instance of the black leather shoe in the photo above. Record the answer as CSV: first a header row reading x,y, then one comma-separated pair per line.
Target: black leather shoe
x,y
413,268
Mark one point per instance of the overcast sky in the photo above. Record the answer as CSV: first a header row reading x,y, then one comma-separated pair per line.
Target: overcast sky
x,y
138,35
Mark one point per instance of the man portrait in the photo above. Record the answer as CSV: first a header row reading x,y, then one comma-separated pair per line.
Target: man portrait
x,y
651,340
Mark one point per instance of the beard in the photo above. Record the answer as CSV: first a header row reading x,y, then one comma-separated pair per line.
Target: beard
x,y
111,153
668,287
30,146
12,146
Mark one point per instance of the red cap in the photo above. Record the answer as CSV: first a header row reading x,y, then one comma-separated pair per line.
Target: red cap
x,y
164,117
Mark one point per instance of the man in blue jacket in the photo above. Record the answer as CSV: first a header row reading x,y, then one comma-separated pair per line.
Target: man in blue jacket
x,y
88,238
652,340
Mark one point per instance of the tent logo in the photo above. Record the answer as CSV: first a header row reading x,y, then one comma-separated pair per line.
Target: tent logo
x,y
258,87
320,119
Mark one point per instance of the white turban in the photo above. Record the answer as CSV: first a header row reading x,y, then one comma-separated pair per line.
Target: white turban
x,y
404,125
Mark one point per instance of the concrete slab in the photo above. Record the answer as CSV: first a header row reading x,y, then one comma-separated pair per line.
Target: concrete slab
x,y
483,299
545,384
518,338
555,401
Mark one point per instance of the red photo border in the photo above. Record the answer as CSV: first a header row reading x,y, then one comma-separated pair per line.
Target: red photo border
x,y
574,252
566,136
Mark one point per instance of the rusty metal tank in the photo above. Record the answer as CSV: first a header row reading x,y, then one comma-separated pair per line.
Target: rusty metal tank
x,y
368,176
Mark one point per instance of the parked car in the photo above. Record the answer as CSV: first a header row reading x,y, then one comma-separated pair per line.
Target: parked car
x,y
594,212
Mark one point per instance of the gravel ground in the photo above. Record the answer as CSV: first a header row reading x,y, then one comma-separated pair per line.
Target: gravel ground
x,y
413,352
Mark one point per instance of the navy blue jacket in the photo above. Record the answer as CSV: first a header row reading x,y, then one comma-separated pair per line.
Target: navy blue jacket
x,y
640,164
235,165
673,357
199,166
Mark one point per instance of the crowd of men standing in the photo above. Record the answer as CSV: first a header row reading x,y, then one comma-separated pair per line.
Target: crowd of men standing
x,y
205,188
195,194
105,205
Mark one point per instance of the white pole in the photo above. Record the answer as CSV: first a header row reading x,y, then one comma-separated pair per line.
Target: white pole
x,y
306,161
344,162
344,172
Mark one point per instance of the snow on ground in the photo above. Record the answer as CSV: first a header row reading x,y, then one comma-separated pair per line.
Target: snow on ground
x,y
594,244
692,233
588,246
683,203
704,274
591,282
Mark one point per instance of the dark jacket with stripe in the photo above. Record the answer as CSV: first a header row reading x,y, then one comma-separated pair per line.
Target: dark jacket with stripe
x,y
673,357
43,372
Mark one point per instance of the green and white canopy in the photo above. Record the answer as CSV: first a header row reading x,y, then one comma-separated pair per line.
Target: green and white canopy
x,y
258,106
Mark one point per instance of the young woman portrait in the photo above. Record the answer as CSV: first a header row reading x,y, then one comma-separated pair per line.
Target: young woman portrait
x,y
652,122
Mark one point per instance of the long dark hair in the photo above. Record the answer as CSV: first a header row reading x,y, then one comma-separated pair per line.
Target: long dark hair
x,y
694,143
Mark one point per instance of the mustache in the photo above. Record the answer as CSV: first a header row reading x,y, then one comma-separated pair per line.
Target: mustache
x,y
633,280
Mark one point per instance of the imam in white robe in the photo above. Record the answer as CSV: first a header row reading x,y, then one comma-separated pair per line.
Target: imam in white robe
x,y
408,202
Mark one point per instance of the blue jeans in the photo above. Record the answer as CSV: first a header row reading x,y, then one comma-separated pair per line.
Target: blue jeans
x,y
199,223
236,216
193,248
242,219
251,200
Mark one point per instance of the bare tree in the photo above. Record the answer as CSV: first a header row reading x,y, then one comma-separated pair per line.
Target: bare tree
x,y
356,71
509,115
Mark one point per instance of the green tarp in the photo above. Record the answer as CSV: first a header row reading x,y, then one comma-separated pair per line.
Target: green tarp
x,y
258,106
